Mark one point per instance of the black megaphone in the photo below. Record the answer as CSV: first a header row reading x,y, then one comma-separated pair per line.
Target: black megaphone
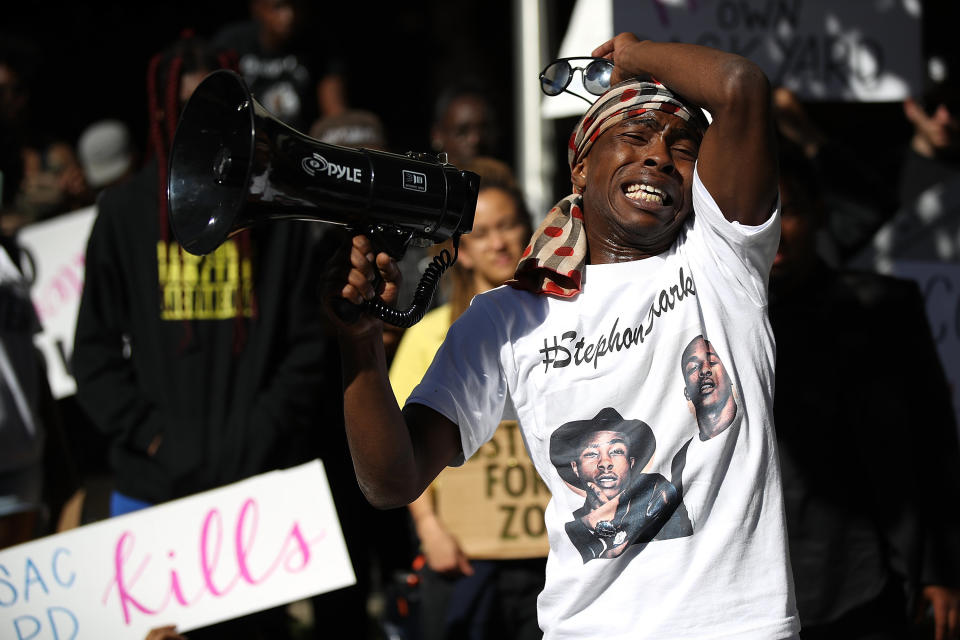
x,y
233,165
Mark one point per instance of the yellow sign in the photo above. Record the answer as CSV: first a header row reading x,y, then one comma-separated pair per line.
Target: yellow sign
x,y
494,503
210,287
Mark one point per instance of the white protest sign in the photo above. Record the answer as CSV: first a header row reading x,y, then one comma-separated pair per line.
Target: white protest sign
x,y
56,250
213,556
940,284
820,49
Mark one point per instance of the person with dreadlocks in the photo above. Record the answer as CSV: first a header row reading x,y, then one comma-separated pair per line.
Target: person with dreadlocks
x,y
201,370
669,234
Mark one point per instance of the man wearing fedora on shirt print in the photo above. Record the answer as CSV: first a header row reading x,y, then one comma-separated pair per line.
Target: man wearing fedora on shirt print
x,y
603,459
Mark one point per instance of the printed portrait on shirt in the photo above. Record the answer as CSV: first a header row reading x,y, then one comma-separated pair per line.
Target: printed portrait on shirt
x,y
603,459
708,388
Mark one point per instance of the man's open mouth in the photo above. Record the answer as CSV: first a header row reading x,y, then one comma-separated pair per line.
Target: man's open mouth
x,y
707,386
607,480
647,193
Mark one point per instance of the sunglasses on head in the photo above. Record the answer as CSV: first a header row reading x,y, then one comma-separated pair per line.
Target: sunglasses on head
x,y
556,77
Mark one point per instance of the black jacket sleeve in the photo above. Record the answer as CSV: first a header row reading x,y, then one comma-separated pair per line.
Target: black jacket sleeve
x,y
296,413
106,381
936,449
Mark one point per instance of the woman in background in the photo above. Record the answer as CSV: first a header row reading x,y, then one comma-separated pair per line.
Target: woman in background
x,y
475,588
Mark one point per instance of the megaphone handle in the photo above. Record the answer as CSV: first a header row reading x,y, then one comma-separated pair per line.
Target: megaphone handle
x,y
350,313
383,241
429,281
426,288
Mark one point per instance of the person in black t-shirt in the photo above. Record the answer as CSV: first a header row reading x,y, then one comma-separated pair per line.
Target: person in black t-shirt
x,y
867,440
295,82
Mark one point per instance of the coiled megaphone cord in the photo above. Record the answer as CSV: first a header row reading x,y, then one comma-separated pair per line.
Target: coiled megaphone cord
x,y
426,289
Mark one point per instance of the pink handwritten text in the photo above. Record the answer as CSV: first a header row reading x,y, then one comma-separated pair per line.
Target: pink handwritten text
x,y
293,556
62,290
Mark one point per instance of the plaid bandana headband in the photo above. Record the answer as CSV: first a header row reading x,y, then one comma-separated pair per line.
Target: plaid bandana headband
x,y
553,262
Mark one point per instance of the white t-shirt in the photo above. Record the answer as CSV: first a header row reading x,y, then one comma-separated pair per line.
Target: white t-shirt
x,y
600,376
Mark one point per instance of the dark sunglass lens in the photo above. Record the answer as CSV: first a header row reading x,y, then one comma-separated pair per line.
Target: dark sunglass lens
x,y
555,78
596,77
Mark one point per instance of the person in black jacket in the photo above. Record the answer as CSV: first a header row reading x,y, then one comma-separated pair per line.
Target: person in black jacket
x,y
289,61
202,370
867,437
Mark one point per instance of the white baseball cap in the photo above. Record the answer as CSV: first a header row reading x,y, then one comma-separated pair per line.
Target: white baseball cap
x,y
104,151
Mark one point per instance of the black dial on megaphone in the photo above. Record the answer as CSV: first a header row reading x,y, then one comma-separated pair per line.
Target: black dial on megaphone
x,y
233,166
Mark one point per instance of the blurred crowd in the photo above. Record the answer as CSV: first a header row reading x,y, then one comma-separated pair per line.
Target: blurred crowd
x,y
175,396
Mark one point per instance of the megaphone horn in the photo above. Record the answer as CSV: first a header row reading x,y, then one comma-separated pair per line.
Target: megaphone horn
x,y
233,165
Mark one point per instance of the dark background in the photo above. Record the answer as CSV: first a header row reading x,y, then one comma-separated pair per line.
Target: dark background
x,y
93,55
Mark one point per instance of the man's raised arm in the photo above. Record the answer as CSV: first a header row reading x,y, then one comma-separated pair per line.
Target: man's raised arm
x,y
395,454
737,161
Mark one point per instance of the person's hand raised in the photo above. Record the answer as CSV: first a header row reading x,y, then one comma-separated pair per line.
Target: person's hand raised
x,y
614,49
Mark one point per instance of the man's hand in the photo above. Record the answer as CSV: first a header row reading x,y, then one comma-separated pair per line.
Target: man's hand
x,y
356,281
441,549
794,123
165,633
613,49
154,445
945,603
601,507
931,133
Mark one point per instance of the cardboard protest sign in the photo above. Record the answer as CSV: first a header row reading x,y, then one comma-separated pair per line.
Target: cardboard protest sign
x,y
494,503
55,250
213,556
